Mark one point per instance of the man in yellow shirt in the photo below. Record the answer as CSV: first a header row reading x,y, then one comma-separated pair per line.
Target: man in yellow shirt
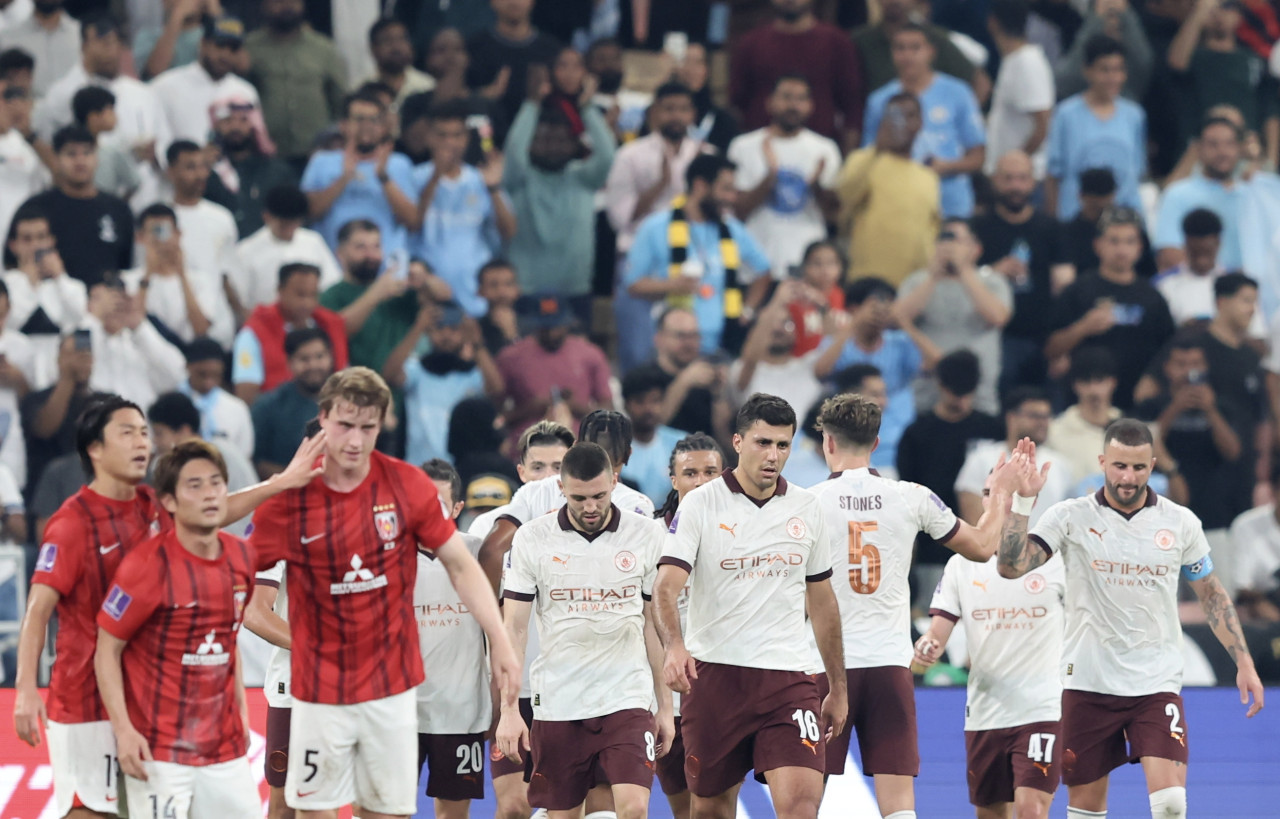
x,y
889,203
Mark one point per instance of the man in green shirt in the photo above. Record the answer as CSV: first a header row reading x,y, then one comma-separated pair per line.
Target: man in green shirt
x,y
299,75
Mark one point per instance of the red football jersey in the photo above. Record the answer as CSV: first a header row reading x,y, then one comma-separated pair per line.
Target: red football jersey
x,y
83,545
181,615
352,562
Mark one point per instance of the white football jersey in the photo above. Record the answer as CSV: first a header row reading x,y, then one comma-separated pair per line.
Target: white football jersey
x,y
872,523
454,698
589,593
1123,636
750,564
275,685
484,522
543,496
1013,630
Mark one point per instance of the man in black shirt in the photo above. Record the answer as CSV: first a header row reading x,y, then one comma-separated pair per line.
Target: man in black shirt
x,y
1112,307
1097,193
690,400
49,416
1023,246
500,56
94,230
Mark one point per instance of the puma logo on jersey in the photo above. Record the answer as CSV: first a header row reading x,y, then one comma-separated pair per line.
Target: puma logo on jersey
x,y
982,584
563,561
811,745
730,529
1043,767
1182,740
1096,532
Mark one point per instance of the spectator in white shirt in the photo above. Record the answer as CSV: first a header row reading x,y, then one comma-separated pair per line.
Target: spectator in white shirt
x,y
1023,98
15,12
17,374
187,92
1188,288
768,364
22,174
1255,536
224,418
785,176
189,305
130,357
208,229
44,301
51,36
280,241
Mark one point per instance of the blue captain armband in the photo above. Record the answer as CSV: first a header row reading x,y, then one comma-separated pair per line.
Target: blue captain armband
x,y
1199,570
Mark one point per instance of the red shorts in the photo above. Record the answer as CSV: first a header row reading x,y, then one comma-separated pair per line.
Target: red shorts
x,y
882,709
566,755
277,750
1095,728
455,765
735,719
499,765
671,767
1001,760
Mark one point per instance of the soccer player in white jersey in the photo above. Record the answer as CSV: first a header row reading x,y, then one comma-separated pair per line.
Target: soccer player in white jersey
x,y
757,550
542,447
267,616
590,569
1123,550
872,523
695,460
454,704
1012,727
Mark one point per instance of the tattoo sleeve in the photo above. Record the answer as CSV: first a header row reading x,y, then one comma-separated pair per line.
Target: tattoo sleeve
x,y
1018,554
1222,618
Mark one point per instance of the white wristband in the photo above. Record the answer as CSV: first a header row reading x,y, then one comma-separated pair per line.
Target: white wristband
x,y
1023,505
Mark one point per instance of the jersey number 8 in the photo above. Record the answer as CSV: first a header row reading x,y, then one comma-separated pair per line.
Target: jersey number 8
x,y
864,558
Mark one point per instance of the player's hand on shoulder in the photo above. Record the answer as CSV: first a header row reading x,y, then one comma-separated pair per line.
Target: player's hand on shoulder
x,y
132,751
512,735
28,715
678,670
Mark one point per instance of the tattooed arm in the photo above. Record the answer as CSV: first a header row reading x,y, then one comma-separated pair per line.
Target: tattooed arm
x,y
1226,627
1018,553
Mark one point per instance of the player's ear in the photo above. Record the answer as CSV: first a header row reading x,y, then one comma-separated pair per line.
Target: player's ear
x,y
875,443
457,509
170,504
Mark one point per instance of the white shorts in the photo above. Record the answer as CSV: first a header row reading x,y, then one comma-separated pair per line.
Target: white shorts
x,y
364,753
224,790
83,758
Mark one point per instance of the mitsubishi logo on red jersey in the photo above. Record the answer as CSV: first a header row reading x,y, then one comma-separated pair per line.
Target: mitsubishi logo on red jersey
x,y
209,652
359,579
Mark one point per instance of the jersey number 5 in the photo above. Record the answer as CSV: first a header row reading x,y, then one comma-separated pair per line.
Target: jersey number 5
x,y
864,558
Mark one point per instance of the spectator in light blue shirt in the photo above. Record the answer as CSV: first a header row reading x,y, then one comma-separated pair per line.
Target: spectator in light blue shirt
x,y
682,260
651,442
366,180
952,140
463,216
1214,188
866,339
1096,128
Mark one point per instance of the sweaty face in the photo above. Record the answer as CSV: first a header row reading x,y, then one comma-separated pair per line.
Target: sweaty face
x,y
125,448
199,501
763,450
351,432
693,469
1126,470
541,461
588,501
312,365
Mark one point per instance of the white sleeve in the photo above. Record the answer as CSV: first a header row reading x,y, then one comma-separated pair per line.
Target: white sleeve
x,y
521,506
520,577
10,494
831,169
655,539
273,576
934,517
64,299
818,567
1242,546
681,548
166,366
1195,546
1036,90
946,597
1053,530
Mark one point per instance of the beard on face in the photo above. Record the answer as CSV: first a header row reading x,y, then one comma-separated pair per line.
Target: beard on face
x,y
442,362
366,271
673,131
235,141
712,209
608,82
286,21
1013,200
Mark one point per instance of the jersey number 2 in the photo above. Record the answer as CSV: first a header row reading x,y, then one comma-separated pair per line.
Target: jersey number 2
x,y
864,558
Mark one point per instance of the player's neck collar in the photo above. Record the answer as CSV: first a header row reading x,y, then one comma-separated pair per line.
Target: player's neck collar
x,y
731,481
1101,496
870,471
615,518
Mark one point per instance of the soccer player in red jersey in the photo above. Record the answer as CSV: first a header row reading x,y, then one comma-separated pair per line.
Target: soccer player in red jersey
x,y
83,545
350,538
167,662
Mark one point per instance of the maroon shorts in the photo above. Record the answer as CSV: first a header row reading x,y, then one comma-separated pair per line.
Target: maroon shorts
x,y
882,709
735,719
499,765
277,751
1095,728
671,767
455,765
566,755
1002,760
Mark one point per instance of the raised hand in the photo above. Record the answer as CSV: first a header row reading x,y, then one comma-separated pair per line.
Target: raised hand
x,y
1031,475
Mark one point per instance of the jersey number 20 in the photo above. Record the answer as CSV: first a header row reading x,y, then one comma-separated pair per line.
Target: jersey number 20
x,y
864,558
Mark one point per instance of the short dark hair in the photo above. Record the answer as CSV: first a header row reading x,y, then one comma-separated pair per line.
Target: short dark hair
x,y
73,135
1128,432
1010,16
706,167
15,59
853,421
297,339
642,380
288,271
1017,397
904,96
457,109
1211,121
910,27
1097,182
1228,284
156,210
610,430
672,89
1188,338
1101,45
959,372
285,202
1201,222
668,312
814,247
792,76
178,148
854,377
90,100
381,25
438,469
868,287
92,424
344,232
175,411
100,24
204,349
770,409
1091,363
544,433
170,465
378,89
694,442
364,95
585,461
1119,216
496,263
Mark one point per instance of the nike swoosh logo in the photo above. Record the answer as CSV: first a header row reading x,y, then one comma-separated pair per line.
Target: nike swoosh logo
x,y
312,539
302,795
111,799
105,549
190,605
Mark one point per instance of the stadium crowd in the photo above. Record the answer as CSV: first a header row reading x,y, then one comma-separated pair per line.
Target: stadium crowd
x,y
998,222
